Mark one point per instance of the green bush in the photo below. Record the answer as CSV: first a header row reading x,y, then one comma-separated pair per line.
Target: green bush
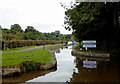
x,y
23,43
79,46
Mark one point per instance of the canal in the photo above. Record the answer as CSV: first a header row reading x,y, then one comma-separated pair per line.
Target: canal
x,y
73,69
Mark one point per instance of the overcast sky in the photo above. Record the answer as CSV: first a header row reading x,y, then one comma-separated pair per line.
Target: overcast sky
x,y
44,15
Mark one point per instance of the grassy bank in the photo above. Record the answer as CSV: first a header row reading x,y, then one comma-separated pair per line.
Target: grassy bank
x,y
114,53
19,48
15,58
89,50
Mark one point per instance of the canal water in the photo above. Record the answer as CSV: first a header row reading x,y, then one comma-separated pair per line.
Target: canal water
x,y
73,69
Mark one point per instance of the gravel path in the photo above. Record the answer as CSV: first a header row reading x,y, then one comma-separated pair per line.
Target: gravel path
x,y
22,50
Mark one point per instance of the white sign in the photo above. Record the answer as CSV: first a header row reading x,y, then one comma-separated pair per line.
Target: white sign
x,y
89,64
89,44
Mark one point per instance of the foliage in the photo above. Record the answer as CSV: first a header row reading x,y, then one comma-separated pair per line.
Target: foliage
x,y
57,36
23,43
95,21
78,46
30,33
15,28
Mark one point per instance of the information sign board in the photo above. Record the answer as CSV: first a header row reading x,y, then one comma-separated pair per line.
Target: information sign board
x,y
89,44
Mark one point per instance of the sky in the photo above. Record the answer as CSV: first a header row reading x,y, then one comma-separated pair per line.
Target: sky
x,y
43,15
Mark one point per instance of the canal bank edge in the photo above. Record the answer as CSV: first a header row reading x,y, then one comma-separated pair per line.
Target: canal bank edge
x,y
86,54
30,65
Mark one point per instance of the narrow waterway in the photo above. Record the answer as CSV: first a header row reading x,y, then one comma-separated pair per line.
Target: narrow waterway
x,y
74,69
65,68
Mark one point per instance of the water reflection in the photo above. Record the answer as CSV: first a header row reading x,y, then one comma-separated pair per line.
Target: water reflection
x,y
103,71
66,47
89,64
65,68
27,76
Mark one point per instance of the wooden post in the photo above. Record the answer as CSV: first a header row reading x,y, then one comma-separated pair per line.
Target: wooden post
x,y
33,42
4,45
44,44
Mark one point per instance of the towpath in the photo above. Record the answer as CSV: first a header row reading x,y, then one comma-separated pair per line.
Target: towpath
x,y
22,49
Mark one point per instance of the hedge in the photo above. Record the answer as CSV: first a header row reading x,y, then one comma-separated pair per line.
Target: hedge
x,y
23,43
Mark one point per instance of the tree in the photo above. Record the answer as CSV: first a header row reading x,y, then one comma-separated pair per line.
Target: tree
x,y
15,28
19,36
33,34
57,33
94,21
30,29
30,33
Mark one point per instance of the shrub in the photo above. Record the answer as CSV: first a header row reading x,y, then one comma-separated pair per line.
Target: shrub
x,y
78,46
23,43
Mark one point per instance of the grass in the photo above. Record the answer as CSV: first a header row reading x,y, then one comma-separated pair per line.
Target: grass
x,y
21,48
15,58
52,45
90,50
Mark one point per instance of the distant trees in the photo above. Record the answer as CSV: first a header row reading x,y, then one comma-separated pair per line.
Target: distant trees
x,y
30,29
57,36
57,33
30,33
15,28
15,33
7,35
33,34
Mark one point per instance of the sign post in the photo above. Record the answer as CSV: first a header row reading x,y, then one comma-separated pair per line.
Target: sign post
x,y
89,44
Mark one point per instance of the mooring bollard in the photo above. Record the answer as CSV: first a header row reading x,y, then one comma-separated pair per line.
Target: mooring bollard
x,y
44,45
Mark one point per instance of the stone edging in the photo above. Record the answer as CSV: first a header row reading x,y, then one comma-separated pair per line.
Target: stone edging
x,y
100,55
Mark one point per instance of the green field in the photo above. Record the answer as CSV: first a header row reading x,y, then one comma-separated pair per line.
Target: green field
x,y
15,58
